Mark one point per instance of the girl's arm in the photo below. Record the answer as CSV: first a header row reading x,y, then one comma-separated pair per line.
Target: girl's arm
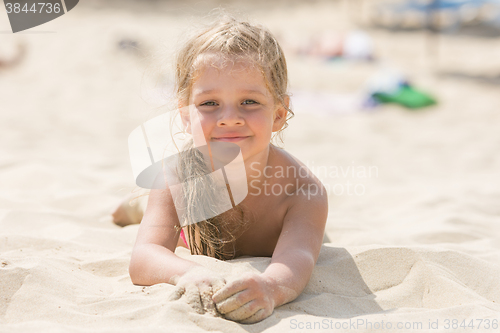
x,y
253,297
298,246
153,259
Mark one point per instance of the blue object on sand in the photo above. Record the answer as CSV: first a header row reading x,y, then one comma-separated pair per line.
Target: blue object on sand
x,y
431,7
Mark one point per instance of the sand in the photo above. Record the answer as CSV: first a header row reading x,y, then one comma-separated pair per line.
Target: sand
x,y
418,244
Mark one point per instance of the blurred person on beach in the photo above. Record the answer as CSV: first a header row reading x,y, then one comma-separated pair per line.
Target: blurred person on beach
x,y
234,75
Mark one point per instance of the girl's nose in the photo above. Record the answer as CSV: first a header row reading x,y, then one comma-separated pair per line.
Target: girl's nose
x,y
230,117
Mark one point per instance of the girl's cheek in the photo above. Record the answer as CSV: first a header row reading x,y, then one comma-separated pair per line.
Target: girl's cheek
x,y
207,127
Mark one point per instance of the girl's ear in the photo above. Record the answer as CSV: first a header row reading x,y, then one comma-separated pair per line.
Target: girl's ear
x,y
280,114
184,113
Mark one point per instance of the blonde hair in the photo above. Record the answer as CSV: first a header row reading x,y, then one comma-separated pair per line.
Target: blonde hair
x,y
229,40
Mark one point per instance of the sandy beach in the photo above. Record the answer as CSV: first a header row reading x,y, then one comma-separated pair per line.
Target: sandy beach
x,y
414,215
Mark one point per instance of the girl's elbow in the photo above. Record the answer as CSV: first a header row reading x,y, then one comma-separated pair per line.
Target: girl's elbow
x,y
138,277
133,272
136,270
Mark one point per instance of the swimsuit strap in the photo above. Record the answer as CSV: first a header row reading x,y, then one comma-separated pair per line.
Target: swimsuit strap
x,y
184,238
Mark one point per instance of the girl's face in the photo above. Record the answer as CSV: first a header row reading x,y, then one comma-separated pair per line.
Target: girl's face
x,y
234,105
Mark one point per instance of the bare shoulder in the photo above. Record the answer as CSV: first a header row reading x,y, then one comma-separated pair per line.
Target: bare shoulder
x,y
306,196
292,169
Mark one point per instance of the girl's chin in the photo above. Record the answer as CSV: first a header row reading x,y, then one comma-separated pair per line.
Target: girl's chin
x,y
255,156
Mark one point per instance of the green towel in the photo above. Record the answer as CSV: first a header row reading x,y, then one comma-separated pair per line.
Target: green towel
x,y
406,96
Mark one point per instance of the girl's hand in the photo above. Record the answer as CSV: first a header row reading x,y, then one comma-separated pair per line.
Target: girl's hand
x,y
198,285
247,299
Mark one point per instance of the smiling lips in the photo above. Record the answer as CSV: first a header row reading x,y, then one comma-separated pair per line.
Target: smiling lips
x,y
230,138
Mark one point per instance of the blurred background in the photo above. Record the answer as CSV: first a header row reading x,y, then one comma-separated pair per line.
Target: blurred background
x,y
408,91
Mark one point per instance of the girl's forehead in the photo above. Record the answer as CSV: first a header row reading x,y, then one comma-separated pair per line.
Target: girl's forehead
x,y
235,71
220,60
226,65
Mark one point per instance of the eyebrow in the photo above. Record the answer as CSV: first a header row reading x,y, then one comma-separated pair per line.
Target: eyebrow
x,y
248,91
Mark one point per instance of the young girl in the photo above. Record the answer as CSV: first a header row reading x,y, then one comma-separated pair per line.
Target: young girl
x,y
234,75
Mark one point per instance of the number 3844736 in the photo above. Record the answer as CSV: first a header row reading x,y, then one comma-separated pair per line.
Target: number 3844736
x,y
35,8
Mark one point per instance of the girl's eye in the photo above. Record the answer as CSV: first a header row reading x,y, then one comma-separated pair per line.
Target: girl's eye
x,y
210,103
249,102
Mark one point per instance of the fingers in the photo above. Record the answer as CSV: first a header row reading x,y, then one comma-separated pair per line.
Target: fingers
x,y
199,298
234,302
208,304
199,295
241,305
176,294
244,312
256,317
193,298
229,290
218,285
251,312
245,300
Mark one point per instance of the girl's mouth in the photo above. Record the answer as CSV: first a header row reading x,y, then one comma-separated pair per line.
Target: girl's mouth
x,y
231,138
